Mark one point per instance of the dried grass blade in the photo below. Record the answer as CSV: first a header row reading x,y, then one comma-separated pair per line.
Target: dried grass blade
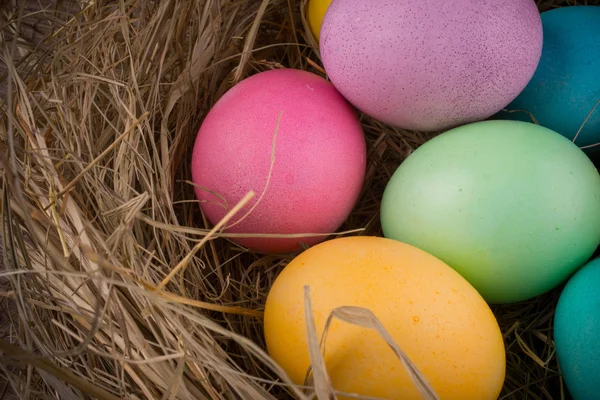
x,y
64,392
528,351
249,43
320,377
183,263
363,317
100,157
168,296
16,355
173,298
587,117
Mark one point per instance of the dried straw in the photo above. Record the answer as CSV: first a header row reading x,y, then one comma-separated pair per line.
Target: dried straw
x,y
114,285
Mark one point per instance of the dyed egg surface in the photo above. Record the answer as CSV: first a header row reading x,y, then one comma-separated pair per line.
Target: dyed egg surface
x,y
566,85
429,65
434,315
316,12
576,332
512,206
289,136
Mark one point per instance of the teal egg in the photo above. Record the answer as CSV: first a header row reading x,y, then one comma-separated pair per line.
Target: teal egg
x,y
577,332
566,84
512,206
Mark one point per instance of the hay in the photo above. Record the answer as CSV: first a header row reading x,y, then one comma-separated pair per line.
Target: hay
x,y
97,208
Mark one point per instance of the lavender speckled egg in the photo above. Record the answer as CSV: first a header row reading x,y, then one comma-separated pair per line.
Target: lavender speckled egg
x,y
289,136
430,65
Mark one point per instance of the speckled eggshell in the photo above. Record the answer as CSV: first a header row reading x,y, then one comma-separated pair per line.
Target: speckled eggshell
x,y
297,123
429,65
566,85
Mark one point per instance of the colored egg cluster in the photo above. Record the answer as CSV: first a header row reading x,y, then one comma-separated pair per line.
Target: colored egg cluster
x,y
501,207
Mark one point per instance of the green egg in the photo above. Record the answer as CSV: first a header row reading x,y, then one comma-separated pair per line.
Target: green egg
x,y
512,206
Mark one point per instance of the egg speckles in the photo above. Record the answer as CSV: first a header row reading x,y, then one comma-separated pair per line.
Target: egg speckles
x,y
429,65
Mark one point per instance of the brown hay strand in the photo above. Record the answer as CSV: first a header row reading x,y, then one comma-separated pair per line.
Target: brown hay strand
x,y
105,100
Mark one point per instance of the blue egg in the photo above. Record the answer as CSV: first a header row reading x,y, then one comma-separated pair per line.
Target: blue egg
x,y
566,84
577,332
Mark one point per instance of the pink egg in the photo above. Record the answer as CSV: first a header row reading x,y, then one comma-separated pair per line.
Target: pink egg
x,y
289,136
430,64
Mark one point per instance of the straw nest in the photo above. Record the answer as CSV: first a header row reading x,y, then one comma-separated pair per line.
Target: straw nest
x,y
97,209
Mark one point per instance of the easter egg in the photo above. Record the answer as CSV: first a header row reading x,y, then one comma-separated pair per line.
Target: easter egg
x,y
316,12
566,86
512,206
434,315
289,136
430,65
576,332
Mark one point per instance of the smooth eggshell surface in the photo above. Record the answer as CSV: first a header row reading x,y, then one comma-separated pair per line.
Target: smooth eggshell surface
x,y
434,315
316,12
512,206
429,65
566,85
290,137
576,332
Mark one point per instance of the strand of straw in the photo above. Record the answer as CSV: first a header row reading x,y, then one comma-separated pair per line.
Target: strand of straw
x,y
183,263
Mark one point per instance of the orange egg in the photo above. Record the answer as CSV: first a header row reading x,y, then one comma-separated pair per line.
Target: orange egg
x,y
436,317
316,13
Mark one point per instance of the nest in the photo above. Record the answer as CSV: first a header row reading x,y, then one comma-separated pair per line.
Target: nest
x,y
114,285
